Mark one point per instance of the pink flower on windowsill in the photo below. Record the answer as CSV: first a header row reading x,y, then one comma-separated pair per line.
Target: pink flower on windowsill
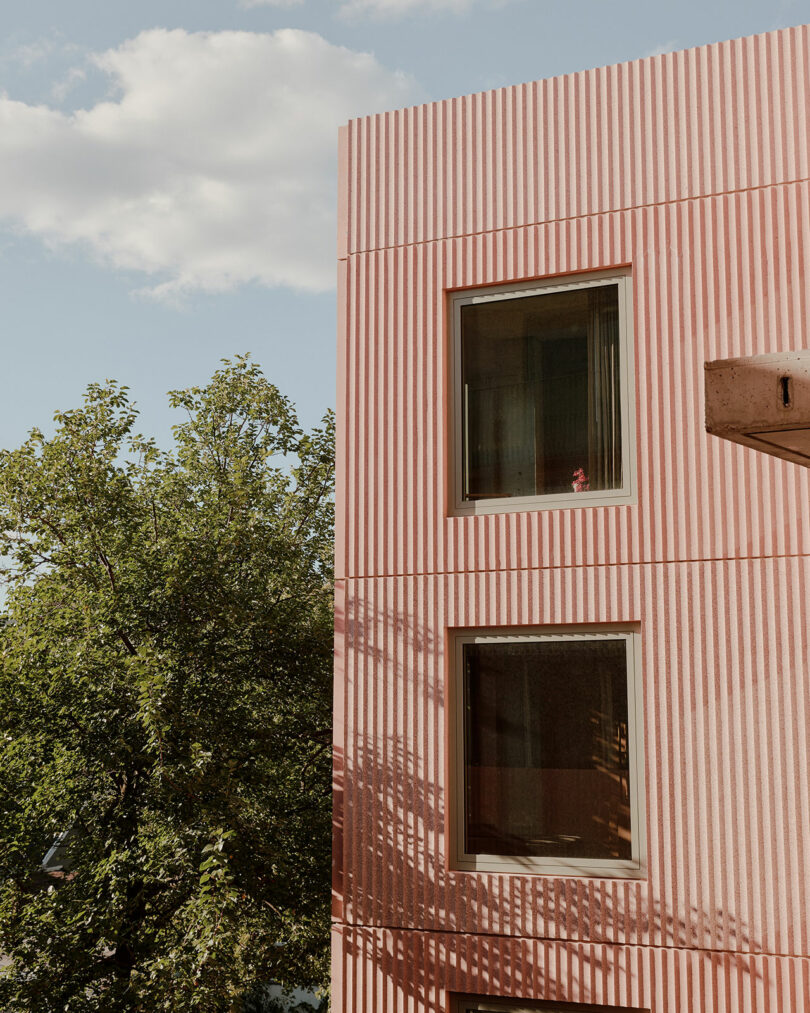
x,y
581,482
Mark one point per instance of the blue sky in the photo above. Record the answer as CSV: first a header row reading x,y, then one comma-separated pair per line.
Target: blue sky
x,y
167,169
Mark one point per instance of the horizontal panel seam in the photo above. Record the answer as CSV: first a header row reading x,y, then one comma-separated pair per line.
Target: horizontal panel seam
x,y
582,217
568,942
572,566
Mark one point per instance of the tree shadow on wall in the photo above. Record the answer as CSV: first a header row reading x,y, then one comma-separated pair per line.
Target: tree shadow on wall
x,y
481,932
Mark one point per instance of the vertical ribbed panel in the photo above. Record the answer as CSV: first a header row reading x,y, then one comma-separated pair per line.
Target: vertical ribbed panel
x,y
690,169
726,649
712,278
383,971
730,116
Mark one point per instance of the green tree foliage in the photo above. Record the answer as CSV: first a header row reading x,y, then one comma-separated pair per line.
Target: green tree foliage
x,y
165,695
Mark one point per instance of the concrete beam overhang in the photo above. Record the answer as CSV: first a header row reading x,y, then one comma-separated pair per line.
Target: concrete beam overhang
x,y
762,401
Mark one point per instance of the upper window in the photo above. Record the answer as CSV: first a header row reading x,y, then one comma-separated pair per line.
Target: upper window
x,y
547,753
541,384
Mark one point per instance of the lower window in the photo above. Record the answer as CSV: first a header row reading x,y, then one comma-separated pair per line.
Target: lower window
x,y
474,1005
548,752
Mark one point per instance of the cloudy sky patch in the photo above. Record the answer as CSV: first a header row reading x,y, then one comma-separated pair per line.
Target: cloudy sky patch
x,y
400,7
188,150
210,165
247,4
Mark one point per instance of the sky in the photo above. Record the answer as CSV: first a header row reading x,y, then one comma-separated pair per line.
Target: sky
x,y
167,169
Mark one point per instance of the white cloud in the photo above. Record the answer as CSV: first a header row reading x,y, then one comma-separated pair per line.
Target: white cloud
x,y
270,3
61,90
666,47
398,7
210,165
32,53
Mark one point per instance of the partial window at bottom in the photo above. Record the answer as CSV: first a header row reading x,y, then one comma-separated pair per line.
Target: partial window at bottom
x,y
462,1004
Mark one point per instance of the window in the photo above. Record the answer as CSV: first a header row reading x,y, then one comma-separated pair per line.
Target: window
x,y
547,752
541,377
473,1004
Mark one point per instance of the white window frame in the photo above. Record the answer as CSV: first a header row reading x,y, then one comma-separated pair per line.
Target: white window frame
x,y
511,504
632,868
461,1003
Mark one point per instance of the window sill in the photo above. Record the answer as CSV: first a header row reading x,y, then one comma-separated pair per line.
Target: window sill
x,y
527,504
559,868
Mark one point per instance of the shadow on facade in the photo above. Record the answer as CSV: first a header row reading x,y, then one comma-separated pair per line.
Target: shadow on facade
x,y
427,928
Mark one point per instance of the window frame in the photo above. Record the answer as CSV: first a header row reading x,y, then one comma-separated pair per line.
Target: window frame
x,y
626,494
496,1004
459,860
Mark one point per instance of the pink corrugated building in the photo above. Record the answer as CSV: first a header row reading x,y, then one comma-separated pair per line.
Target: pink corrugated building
x,y
572,695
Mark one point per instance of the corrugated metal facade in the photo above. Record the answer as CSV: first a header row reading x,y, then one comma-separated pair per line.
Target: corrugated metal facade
x,y
383,969
692,169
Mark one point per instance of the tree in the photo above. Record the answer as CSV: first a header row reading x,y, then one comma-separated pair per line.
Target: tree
x,y
165,696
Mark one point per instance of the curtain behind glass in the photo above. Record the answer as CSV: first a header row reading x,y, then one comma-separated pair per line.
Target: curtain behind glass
x,y
604,405
541,395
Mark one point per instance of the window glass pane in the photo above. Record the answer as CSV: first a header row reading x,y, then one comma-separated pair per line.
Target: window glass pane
x,y
546,749
540,394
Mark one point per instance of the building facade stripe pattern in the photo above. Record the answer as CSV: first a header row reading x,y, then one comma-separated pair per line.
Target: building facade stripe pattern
x,y
725,729
388,970
719,119
692,171
712,279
